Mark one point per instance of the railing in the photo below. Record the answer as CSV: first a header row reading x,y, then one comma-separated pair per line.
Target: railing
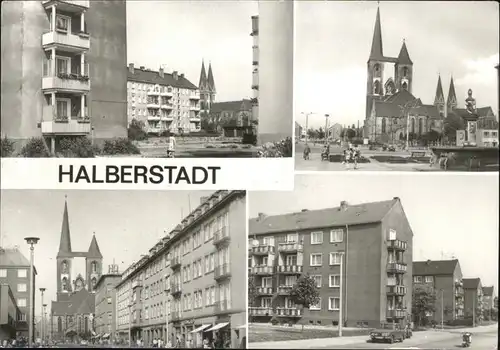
x,y
222,271
73,39
284,289
263,250
167,106
154,117
194,96
288,312
65,126
166,93
396,290
396,313
396,267
221,235
167,117
290,269
153,93
290,247
153,104
265,290
194,108
175,262
222,306
262,270
260,311
397,245
65,81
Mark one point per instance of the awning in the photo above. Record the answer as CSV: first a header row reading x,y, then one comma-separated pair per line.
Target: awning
x,y
217,326
200,328
105,335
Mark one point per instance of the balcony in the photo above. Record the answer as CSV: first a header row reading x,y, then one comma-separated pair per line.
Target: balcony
x,y
288,312
260,311
194,96
73,6
396,267
166,106
290,247
166,93
67,82
154,117
195,119
154,105
397,245
262,270
194,108
175,316
175,288
263,250
290,269
175,262
72,42
222,271
396,290
221,236
153,93
222,306
136,284
396,313
66,127
264,290
284,290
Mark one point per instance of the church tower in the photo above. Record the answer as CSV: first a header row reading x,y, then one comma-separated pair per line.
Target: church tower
x,y
207,89
64,259
93,263
439,99
451,102
375,67
211,84
403,70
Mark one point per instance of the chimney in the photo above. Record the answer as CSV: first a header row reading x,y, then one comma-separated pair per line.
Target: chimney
x,y
160,72
141,68
396,198
175,75
131,68
262,216
304,210
343,205
182,75
428,261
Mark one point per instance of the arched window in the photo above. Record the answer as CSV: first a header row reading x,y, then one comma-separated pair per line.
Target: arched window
x,y
376,70
80,324
405,86
64,284
413,125
384,126
377,88
64,266
405,72
59,324
94,267
420,126
401,136
94,282
86,324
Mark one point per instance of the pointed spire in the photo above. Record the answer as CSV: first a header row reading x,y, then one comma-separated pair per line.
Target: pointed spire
x,y
377,48
203,77
439,99
94,251
65,241
211,83
452,97
404,56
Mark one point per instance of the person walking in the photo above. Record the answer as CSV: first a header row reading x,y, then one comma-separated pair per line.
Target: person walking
x,y
172,143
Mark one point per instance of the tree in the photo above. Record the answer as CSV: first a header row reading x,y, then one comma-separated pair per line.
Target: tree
x,y
350,133
305,292
312,134
452,123
321,133
423,303
136,130
252,291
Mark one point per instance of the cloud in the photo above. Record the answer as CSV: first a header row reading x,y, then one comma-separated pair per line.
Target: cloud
x,y
480,71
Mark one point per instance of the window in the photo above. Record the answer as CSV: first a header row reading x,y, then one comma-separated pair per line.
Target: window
x,y
3,273
318,280
62,23
110,301
22,317
392,235
267,282
316,306
333,303
317,237
21,302
292,237
266,302
290,281
22,273
428,279
417,279
336,236
291,260
21,287
334,281
316,259
62,65
335,258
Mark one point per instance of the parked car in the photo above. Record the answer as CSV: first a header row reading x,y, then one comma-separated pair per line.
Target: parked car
x,y
388,333
389,148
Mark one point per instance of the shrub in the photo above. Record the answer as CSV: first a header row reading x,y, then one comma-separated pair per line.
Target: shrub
x,y
35,148
278,149
119,146
274,321
76,147
7,147
136,130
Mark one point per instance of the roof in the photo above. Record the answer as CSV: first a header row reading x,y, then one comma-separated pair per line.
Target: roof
x,y
203,84
81,302
401,97
211,82
452,97
488,291
434,267
65,240
431,111
439,93
404,56
152,77
12,257
94,251
107,275
353,215
231,106
471,283
376,52
387,109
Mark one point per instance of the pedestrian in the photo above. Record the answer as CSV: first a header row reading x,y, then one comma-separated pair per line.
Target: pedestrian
x,y
307,152
357,155
206,344
172,143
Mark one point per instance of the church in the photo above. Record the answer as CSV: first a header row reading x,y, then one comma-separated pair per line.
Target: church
x,y
73,312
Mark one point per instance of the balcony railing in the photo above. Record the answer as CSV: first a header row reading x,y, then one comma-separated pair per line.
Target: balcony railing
x,y
194,96
264,290
396,267
288,312
65,126
290,269
263,250
194,108
175,288
167,118
175,316
290,247
221,236
153,93
396,290
167,93
66,82
396,313
397,245
222,306
156,117
175,262
195,118
262,270
222,271
166,106
155,105
260,311
284,290
71,41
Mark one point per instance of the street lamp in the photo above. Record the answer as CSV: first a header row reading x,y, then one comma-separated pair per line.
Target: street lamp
x,y
42,290
44,322
341,323
130,324
406,112
307,121
326,126
31,241
167,309
442,308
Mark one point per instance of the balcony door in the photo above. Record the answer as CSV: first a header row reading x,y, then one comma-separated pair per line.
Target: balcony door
x,y
291,260
63,106
63,65
267,282
266,302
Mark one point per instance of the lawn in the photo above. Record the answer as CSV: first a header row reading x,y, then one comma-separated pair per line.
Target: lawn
x,y
401,160
267,333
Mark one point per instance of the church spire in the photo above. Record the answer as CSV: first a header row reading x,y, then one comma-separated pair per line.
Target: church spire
x,y
65,241
94,251
211,83
451,103
404,56
377,48
439,99
203,77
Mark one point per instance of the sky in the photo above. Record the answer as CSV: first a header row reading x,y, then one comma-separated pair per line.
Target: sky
x,y
333,42
181,34
449,215
126,224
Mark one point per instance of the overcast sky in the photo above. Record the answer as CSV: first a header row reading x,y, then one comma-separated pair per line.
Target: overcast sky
x,y
450,215
126,223
333,42
180,34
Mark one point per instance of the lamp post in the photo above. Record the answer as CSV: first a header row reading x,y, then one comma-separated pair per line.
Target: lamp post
x,y
44,317
167,309
326,126
42,290
130,324
406,112
442,308
32,241
341,323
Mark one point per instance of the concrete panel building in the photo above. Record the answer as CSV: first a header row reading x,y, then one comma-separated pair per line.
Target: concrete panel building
x,y
376,241
105,304
473,291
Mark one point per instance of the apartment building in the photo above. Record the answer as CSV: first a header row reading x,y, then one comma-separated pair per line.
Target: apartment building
x,y
255,68
374,241
15,272
163,101
444,277
192,282
473,291
59,78
489,301
105,304
9,312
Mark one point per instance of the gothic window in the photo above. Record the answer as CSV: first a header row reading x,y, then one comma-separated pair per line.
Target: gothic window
x,y
405,86
376,70
94,282
384,126
64,284
59,324
86,325
413,126
80,324
64,266
401,136
94,267
405,72
377,88
420,126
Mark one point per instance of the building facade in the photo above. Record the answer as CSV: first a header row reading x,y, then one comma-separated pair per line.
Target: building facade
x,y
233,118
9,313
15,272
105,304
192,282
444,277
255,69
375,242
335,132
490,309
55,79
163,101
487,138
473,298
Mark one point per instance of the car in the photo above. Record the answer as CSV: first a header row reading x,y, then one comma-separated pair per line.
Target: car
x,y
387,334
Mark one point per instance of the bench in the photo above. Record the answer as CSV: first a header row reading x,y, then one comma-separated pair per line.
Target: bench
x,y
417,154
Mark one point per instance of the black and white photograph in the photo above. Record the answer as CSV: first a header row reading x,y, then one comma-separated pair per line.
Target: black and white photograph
x,y
413,261
396,86
123,269
155,79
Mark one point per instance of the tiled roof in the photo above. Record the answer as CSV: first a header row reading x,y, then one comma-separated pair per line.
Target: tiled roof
x,y
434,267
12,257
311,219
81,302
387,109
401,97
488,291
471,283
233,106
431,111
152,77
